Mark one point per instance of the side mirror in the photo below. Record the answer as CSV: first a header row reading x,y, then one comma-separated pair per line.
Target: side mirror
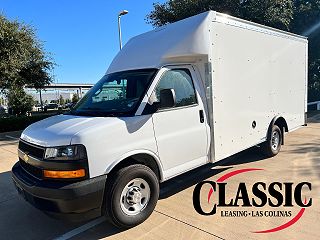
x,y
167,98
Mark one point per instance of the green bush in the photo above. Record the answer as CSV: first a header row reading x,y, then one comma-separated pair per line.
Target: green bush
x,y
19,101
13,123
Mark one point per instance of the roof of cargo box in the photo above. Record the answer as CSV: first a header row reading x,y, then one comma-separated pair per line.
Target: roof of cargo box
x,y
185,39
151,49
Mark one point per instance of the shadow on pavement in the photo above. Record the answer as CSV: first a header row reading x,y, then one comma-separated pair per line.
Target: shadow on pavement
x,y
186,180
19,220
10,138
15,134
312,149
253,154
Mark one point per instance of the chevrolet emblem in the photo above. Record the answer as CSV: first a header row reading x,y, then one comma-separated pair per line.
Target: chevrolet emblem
x,y
25,157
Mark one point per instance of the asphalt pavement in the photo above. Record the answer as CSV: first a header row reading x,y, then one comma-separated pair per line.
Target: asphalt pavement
x,y
175,217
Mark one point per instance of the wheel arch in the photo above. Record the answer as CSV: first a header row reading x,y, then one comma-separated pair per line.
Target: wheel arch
x,y
281,123
144,157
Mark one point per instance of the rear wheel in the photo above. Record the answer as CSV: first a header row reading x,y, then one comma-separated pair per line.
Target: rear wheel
x,y
273,145
131,195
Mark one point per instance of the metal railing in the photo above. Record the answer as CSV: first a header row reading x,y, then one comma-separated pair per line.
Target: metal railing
x,y
315,103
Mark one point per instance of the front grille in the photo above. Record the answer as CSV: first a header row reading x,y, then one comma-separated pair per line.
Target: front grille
x,y
32,150
34,171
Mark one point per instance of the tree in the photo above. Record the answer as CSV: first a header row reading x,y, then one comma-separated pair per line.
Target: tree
x,y
61,100
306,17
75,98
274,13
175,10
19,101
23,60
306,22
313,81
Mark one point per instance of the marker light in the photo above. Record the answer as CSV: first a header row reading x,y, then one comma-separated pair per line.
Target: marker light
x,y
64,174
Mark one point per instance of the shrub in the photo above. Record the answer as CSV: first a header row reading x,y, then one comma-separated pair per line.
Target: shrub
x,y
19,101
14,123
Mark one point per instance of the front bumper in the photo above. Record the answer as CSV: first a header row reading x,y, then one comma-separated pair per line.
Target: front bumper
x,y
75,201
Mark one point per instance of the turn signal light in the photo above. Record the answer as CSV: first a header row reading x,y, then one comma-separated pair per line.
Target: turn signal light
x,y
64,174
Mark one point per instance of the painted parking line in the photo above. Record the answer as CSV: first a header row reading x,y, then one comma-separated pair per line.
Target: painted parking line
x,y
81,229
188,224
15,138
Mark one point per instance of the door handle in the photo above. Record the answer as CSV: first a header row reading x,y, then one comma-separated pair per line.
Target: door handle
x,y
201,115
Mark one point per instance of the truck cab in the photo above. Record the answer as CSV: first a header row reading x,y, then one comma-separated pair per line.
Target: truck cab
x,y
69,164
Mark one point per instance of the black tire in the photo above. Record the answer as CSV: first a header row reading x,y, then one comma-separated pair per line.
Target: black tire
x,y
116,184
268,148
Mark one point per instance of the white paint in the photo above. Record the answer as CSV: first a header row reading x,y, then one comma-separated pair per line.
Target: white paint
x,y
169,44
256,76
181,42
107,139
181,137
81,229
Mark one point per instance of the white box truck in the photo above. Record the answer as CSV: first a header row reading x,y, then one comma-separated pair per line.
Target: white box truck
x,y
173,99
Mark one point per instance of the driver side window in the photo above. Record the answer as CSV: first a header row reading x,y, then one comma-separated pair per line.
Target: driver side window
x,y
181,81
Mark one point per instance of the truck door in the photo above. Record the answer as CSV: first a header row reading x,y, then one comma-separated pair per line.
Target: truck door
x,y
181,131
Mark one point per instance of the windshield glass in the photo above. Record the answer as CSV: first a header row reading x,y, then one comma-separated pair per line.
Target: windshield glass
x,y
116,94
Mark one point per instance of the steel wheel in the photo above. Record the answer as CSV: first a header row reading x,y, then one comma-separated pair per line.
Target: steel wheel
x,y
131,195
273,144
275,140
135,196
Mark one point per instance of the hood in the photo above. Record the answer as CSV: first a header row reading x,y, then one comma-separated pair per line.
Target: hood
x,y
59,130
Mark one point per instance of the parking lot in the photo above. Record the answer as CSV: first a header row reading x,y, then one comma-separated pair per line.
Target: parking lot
x,y
175,217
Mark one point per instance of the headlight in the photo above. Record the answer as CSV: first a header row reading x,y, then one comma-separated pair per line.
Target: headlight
x,y
71,152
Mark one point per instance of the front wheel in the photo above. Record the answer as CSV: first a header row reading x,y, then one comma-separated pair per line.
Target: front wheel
x,y
273,145
131,195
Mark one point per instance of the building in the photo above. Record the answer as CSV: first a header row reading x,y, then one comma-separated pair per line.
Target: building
x,y
48,96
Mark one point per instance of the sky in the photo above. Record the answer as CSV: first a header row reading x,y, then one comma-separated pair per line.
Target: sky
x,y
81,35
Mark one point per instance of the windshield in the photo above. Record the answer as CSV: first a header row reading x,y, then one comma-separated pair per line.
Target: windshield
x,y
116,94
